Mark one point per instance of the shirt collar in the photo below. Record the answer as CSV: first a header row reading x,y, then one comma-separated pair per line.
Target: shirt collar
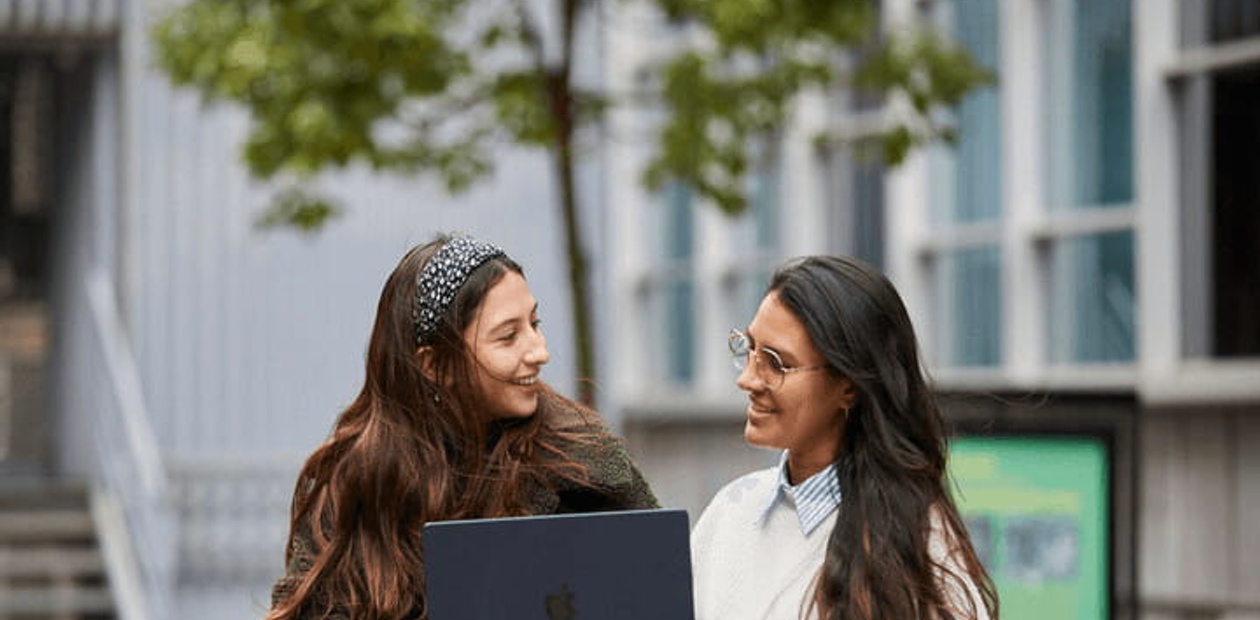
x,y
814,498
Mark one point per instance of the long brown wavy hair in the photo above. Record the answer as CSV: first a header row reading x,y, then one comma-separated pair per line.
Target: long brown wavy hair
x,y
409,450
893,456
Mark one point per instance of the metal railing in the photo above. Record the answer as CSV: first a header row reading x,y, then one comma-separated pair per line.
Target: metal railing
x,y
130,485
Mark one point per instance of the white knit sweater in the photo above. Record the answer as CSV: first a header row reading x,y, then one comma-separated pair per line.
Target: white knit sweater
x,y
747,568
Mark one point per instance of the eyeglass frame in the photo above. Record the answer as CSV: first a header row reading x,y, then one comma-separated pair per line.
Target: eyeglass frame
x,y
737,340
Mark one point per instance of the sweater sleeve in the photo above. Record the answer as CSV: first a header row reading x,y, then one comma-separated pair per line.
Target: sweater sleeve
x,y
298,560
615,482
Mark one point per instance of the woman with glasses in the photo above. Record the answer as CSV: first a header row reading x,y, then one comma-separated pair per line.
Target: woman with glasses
x,y
856,522
453,422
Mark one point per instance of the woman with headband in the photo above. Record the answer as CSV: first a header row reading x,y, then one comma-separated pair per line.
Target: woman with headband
x,y
452,422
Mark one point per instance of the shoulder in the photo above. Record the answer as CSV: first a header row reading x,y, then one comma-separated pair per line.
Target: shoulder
x,y
942,540
563,414
581,437
753,484
727,524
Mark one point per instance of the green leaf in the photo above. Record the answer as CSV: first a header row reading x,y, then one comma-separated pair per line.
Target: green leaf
x,y
298,209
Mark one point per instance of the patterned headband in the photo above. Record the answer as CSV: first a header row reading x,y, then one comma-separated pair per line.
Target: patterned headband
x,y
442,278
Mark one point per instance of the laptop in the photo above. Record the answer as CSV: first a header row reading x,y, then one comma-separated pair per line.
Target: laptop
x,y
631,565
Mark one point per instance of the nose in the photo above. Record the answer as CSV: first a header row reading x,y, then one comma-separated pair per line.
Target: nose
x,y
537,354
749,380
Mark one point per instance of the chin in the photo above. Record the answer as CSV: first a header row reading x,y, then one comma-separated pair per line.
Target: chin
x,y
521,409
755,437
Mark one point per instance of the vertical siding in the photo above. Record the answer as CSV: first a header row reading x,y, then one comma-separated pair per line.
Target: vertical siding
x,y
1199,494
1246,567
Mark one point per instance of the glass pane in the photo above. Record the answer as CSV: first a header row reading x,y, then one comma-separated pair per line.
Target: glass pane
x,y
745,296
856,202
868,216
1093,313
763,210
677,288
971,333
758,238
1090,113
680,326
677,232
1234,19
975,161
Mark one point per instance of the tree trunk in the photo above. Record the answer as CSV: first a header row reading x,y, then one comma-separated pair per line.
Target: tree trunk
x,y
561,92
578,276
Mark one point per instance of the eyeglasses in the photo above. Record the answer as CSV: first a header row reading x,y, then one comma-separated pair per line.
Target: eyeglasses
x,y
769,366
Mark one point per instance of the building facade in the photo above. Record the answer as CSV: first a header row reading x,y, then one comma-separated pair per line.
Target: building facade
x,y
1080,265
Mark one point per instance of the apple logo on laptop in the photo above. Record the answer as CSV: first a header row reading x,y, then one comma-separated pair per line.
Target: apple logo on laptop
x,y
560,605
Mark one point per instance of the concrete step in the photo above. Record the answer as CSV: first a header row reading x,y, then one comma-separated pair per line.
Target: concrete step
x,y
31,526
55,601
50,563
28,493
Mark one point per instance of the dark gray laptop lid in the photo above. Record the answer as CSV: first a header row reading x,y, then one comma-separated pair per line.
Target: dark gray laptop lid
x,y
632,565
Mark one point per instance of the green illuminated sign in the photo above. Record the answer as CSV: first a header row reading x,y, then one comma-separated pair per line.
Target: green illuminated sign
x,y
1036,508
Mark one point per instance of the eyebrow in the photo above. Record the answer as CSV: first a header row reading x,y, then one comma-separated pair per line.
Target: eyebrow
x,y
510,320
791,357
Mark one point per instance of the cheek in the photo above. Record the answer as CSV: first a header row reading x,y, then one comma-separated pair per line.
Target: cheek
x,y
810,415
500,363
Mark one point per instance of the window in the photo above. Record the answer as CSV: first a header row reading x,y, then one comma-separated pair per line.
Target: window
x,y
970,297
1092,307
1089,156
676,294
1089,86
966,206
973,172
855,191
854,182
1218,84
755,238
1037,194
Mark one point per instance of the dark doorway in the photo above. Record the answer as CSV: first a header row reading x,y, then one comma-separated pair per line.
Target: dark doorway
x,y
27,138
1236,213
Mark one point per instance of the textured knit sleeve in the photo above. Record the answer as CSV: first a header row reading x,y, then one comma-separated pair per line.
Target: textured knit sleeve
x,y
298,560
616,482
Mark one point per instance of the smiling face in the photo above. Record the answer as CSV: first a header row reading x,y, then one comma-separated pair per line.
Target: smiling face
x,y
805,414
509,348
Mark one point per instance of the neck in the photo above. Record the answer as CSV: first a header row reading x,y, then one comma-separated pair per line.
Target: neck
x,y
800,468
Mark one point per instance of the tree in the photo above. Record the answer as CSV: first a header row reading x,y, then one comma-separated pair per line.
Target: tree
x,y
431,85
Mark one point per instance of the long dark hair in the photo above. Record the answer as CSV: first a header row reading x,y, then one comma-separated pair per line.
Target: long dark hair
x,y
414,446
893,455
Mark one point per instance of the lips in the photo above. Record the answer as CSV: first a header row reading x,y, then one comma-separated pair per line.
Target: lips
x,y
526,381
755,407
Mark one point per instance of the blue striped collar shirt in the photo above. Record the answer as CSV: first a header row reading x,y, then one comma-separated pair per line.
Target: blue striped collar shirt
x,y
814,499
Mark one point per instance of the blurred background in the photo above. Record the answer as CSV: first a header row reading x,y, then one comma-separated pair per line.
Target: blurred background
x,y
1082,264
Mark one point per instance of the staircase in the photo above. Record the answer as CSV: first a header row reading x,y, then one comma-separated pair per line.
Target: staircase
x,y
50,560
